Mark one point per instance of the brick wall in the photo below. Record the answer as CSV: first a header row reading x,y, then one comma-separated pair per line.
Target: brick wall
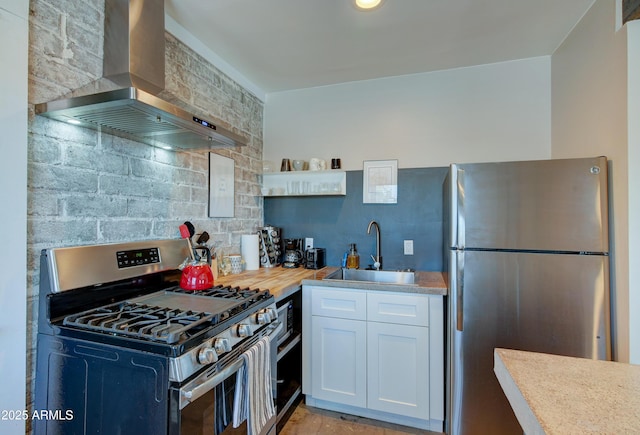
x,y
85,187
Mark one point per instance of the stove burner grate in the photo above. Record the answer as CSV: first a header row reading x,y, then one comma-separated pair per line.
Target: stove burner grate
x,y
141,321
229,293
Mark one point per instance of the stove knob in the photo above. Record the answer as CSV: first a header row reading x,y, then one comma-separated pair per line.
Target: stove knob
x,y
222,345
263,318
267,315
207,355
244,330
273,313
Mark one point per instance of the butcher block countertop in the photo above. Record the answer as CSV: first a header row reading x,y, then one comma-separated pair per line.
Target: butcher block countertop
x,y
280,281
553,394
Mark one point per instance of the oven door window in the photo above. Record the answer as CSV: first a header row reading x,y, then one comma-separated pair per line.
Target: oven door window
x,y
212,392
212,413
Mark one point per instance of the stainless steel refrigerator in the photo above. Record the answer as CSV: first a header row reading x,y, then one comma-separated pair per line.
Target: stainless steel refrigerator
x,y
528,269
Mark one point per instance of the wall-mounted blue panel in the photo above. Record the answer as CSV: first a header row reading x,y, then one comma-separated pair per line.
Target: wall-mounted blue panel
x,y
336,221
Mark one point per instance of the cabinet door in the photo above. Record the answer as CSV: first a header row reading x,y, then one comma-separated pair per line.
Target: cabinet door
x,y
339,302
399,308
398,360
338,359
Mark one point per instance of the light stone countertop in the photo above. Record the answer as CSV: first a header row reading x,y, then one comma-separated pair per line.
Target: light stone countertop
x,y
553,394
431,283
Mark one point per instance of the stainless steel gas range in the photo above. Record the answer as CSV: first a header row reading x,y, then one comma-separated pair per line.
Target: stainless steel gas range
x,y
123,349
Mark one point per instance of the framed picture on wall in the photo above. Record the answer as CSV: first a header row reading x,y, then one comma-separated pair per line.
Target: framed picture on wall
x,y
380,183
221,188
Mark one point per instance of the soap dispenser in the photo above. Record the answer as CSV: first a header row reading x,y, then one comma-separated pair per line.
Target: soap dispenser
x,y
353,259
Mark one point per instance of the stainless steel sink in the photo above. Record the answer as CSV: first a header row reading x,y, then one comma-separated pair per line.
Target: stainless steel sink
x,y
379,276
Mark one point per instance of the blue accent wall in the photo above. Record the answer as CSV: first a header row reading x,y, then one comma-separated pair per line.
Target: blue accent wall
x,y
336,221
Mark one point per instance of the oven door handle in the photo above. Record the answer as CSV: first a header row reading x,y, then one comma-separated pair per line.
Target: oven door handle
x,y
198,391
189,395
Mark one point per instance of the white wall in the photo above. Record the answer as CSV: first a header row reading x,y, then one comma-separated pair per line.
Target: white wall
x,y
633,59
589,117
501,111
13,211
485,113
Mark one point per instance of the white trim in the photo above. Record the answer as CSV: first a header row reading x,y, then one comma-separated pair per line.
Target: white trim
x,y
633,111
14,30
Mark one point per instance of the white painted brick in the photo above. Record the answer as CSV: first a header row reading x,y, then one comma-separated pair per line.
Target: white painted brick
x,y
85,187
100,207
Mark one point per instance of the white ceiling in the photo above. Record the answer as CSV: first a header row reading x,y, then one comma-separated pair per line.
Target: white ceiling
x,y
280,45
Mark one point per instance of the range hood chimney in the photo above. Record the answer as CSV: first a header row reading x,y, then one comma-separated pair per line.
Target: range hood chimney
x,y
134,54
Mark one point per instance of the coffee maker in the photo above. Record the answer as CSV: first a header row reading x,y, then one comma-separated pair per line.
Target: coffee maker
x,y
293,253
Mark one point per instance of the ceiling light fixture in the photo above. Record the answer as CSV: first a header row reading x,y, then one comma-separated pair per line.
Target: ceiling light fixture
x,y
367,5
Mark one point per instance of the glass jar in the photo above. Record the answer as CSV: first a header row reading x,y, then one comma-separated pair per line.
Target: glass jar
x,y
225,266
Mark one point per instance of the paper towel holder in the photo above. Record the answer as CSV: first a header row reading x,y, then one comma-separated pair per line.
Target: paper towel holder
x,y
250,250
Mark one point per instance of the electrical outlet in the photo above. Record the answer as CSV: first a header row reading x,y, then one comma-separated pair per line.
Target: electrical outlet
x,y
308,242
408,247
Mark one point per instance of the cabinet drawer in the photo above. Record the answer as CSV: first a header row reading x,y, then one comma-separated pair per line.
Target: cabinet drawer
x,y
344,304
400,308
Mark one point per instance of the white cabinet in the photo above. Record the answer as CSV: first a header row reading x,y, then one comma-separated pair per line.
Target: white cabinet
x,y
398,379
304,183
375,353
339,335
340,360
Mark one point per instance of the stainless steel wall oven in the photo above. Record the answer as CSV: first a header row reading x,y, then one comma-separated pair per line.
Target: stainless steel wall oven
x,y
122,349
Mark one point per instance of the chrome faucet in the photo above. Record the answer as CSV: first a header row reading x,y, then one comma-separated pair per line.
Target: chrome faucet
x,y
377,260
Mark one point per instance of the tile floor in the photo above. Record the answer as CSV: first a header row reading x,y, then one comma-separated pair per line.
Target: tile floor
x,y
313,421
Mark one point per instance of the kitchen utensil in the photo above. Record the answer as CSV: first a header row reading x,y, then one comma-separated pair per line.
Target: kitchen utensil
x,y
191,228
202,238
202,253
184,231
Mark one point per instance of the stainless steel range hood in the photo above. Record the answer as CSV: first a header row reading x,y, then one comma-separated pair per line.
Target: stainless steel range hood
x,y
134,54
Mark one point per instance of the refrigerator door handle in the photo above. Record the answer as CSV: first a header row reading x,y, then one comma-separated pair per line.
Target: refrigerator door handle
x,y
460,291
459,217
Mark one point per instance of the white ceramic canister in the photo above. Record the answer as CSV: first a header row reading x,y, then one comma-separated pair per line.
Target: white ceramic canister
x,y
236,263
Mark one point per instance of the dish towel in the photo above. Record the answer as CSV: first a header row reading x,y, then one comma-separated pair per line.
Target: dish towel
x,y
253,400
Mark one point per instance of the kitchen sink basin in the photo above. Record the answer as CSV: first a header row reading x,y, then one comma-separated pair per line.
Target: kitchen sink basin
x,y
378,276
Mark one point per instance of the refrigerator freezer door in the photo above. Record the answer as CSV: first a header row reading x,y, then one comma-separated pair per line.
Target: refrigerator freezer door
x,y
551,303
550,205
